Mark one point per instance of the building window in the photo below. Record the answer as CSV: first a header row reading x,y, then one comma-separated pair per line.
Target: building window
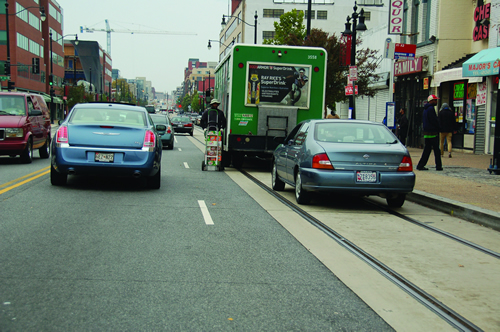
x,y
305,14
53,11
322,15
371,2
21,13
22,42
268,34
276,13
367,15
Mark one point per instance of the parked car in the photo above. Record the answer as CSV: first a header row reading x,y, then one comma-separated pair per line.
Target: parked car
x,y
107,139
24,125
182,124
166,135
151,109
346,157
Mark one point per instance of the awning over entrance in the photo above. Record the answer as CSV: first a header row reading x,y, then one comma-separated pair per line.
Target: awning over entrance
x,y
485,63
454,74
57,100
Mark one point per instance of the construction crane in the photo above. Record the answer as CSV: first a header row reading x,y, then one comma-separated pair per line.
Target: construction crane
x,y
108,30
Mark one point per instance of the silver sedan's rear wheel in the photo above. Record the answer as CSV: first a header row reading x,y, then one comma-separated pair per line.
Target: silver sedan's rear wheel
x,y
278,185
301,196
396,202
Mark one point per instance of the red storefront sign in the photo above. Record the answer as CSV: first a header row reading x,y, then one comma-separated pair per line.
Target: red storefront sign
x,y
408,67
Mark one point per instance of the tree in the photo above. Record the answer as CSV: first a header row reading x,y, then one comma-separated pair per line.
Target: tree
x,y
292,32
195,103
186,102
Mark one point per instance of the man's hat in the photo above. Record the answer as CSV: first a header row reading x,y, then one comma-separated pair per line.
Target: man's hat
x,y
432,97
215,101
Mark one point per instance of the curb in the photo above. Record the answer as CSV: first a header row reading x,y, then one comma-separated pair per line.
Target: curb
x,y
461,210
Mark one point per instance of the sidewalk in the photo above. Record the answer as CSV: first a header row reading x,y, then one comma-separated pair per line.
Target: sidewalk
x,y
464,187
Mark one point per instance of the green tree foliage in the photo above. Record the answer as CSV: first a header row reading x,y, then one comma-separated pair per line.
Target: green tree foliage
x,y
336,77
186,102
289,29
195,102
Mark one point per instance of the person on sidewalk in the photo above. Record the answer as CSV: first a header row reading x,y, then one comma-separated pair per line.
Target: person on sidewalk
x,y
431,131
332,115
447,125
402,126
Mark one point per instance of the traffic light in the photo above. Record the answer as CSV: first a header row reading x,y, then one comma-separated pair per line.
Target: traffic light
x,y
51,80
35,69
6,68
11,85
207,94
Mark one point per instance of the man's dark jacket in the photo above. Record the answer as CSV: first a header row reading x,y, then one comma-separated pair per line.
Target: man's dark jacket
x,y
211,117
430,120
447,122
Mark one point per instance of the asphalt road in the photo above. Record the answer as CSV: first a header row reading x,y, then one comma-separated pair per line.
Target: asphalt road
x,y
107,254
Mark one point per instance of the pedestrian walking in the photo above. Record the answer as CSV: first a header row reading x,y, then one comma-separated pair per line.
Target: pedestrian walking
x,y
447,125
402,126
431,132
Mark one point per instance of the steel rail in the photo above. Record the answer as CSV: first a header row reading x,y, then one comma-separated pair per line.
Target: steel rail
x,y
436,230
447,314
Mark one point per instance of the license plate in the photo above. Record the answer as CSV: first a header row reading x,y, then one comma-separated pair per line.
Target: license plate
x,y
104,157
364,176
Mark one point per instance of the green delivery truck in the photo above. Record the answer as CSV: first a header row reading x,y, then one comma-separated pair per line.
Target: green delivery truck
x,y
265,91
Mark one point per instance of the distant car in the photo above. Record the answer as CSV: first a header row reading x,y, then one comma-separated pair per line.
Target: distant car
x,y
24,125
346,157
167,135
151,109
107,139
182,124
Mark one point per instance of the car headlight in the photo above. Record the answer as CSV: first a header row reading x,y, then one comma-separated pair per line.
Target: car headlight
x,y
13,132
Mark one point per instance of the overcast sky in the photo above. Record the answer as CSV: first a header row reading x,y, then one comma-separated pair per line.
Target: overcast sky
x,y
161,58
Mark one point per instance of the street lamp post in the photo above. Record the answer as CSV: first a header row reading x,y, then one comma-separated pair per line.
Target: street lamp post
x,y
355,27
42,17
223,23
51,82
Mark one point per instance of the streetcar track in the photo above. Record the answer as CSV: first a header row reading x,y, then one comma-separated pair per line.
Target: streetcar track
x,y
444,312
440,309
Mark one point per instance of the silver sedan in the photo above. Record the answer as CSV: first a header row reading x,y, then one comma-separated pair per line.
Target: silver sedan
x,y
343,156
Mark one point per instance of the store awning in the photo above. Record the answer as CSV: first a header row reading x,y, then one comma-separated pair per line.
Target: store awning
x,y
454,74
46,97
485,63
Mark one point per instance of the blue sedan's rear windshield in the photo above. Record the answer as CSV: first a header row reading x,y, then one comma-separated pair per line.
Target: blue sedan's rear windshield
x,y
354,132
108,117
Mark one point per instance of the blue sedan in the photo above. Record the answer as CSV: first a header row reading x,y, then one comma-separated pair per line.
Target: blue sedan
x,y
343,156
107,139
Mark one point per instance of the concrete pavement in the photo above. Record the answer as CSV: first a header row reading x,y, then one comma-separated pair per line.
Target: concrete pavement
x,y
464,188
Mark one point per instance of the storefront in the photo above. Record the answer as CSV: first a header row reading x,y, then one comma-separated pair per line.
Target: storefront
x,y
460,94
485,67
411,91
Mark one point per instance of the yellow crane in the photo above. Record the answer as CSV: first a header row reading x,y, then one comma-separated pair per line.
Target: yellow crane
x,y
108,30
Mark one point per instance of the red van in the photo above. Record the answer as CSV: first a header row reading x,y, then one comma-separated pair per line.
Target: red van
x,y
24,125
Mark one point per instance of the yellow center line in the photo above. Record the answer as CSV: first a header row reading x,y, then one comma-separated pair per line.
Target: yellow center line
x,y
43,170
